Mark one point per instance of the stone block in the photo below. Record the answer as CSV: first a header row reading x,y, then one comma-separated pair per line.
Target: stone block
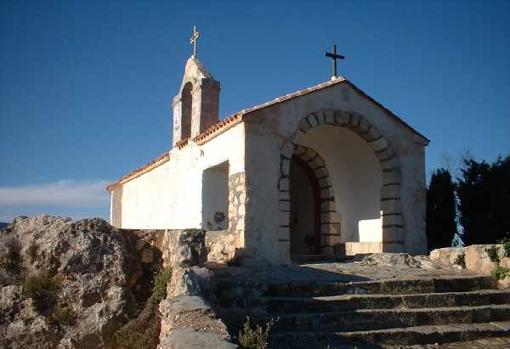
x,y
329,116
379,144
477,258
342,118
183,248
446,257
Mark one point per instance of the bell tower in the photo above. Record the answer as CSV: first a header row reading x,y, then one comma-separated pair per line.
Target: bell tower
x,y
196,105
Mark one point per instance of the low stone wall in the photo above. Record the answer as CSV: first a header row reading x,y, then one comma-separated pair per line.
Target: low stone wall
x,y
482,259
187,321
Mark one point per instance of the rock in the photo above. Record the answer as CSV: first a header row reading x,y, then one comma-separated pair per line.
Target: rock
x,y
477,258
446,257
184,248
188,281
189,339
222,246
93,266
505,262
398,259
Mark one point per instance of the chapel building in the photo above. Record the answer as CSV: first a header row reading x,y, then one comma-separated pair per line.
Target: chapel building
x,y
323,171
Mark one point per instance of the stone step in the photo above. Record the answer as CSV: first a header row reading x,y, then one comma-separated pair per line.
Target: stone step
x,y
279,305
415,335
392,286
375,319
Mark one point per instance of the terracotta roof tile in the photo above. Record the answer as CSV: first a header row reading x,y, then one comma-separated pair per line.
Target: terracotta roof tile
x,y
141,170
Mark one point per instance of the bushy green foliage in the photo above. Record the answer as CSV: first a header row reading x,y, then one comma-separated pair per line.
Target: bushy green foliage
x,y
43,290
13,261
460,260
501,272
255,337
141,332
33,252
61,315
506,245
493,253
483,191
441,210
160,282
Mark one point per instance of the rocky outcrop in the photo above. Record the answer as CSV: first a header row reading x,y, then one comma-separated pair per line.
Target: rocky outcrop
x,y
68,284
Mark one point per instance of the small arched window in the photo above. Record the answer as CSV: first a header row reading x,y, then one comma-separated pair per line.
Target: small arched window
x,y
186,100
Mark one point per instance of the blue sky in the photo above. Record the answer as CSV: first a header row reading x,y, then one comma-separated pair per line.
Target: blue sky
x,y
85,86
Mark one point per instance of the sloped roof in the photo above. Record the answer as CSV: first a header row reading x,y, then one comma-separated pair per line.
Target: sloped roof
x,y
234,119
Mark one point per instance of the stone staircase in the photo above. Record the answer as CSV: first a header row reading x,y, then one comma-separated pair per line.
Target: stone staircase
x,y
369,314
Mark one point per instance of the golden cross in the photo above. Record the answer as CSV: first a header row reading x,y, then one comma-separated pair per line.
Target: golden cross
x,y
193,40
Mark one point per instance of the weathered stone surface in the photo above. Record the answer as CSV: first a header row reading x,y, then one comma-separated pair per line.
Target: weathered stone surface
x,y
398,259
189,312
505,262
446,257
188,281
477,259
222,246
96,266
184,248
190,339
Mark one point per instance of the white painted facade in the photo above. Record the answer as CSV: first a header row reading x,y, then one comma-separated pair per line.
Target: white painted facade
x,y
371,175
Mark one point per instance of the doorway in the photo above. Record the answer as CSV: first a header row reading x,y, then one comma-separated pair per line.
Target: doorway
x,y
305,237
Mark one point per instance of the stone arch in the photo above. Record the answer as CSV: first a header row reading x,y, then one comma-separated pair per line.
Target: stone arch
x,y
329,219
392,219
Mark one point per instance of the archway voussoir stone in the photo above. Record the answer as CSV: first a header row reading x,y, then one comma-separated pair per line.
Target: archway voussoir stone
x,y
390,205
379,145
364,126
320,117
285,167
393,220
342,118
390,177
283,184
389,164
390,191
329,116
288,149
355,119
312,119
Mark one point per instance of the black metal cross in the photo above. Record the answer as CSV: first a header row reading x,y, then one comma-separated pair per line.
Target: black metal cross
x,y
334,56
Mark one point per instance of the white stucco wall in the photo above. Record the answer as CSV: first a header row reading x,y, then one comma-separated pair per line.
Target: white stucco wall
x,y
356,178
170,196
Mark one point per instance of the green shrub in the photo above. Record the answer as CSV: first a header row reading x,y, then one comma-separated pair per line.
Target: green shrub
x,y
61,315
43,290
33,252
13,261
506,245
501,272
160,282
141,332
493,253
255,337
460,260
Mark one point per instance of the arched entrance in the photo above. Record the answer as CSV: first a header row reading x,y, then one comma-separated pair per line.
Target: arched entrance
x,y
387,199
305,217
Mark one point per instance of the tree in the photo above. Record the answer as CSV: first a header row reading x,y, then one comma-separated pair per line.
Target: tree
x,y
441,226
484,200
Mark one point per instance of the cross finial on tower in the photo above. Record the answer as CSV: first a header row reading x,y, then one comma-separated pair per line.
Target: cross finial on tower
x,y
193,40
334,56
